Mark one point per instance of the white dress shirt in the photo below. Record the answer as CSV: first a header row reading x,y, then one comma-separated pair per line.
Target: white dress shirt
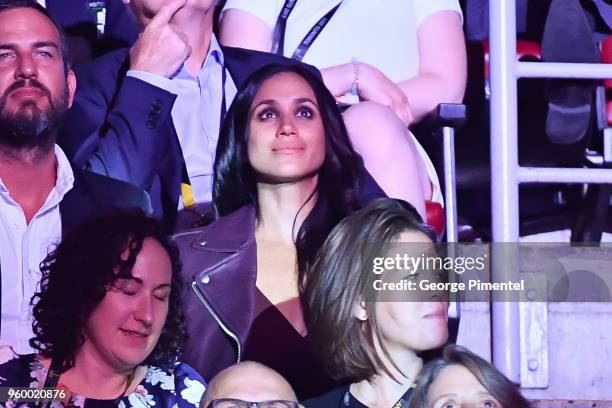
x,y
22,248
196,114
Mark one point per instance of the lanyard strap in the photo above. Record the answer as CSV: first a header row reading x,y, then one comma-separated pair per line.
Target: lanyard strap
x,y
278,39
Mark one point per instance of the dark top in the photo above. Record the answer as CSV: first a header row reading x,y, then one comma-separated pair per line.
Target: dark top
x,y
275,342
181,388
341,397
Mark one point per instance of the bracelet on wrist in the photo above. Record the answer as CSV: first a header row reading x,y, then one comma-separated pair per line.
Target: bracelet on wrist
x,y
355,88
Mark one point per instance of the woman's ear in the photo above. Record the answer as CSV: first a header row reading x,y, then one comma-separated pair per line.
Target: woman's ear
x,y
359,311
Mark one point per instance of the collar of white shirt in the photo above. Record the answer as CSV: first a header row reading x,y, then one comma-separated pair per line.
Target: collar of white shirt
x,y
64,181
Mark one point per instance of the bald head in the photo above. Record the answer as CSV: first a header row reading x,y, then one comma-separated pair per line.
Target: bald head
x,y
248,381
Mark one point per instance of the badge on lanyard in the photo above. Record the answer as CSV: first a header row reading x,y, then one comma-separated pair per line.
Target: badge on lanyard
x,y
98,8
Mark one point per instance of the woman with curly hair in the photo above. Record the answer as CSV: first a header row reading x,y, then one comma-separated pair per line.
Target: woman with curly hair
x,y
108,323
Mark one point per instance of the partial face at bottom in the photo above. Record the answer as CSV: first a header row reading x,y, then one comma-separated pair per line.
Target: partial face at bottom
x,y
456,387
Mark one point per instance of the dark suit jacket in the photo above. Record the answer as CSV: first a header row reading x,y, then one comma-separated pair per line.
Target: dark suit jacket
x,y
122,127
92,194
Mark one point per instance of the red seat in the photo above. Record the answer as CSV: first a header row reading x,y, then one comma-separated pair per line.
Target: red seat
x,y
435,217
606,58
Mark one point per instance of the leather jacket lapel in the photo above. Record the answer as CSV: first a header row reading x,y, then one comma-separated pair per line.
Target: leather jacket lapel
x,y
228,273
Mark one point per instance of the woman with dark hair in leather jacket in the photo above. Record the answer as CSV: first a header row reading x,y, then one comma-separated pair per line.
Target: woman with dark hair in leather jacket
x,y
285,175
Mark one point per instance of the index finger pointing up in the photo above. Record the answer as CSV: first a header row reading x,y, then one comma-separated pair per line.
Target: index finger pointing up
x,y
166,13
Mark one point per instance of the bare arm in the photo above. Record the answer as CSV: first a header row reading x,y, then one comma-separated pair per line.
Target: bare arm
x,y
442,64
242,29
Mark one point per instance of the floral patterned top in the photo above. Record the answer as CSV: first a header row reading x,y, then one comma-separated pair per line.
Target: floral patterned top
x,y
181,388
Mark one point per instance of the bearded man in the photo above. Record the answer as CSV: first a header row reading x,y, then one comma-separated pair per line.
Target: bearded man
x,y
41,195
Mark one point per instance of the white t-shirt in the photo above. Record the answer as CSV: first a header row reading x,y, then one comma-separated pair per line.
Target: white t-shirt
x,y
382,33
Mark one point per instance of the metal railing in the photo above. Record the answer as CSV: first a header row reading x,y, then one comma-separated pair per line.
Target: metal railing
x,y
506,174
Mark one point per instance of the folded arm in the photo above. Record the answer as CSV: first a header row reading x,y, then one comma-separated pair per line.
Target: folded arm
x,y
442,64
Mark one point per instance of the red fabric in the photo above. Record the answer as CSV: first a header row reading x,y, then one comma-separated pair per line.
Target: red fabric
x,y
435,216
606,58
523,49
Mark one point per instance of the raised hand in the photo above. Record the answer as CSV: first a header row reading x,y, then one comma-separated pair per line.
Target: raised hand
x,y
162,47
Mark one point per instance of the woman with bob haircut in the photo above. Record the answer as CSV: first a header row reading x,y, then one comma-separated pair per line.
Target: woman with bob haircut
x,y
108,324
462,379
372,345
285,175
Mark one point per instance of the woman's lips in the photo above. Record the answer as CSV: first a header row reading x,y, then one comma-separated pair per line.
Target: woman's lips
x,y
436,314
135,334
286,150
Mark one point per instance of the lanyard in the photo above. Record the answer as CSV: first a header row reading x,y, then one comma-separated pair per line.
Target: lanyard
x,y
278,39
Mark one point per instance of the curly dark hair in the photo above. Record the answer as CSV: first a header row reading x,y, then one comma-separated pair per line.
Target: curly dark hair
x,y
77,274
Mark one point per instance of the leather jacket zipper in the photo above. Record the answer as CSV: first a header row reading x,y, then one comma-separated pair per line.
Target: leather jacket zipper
x,y
215,316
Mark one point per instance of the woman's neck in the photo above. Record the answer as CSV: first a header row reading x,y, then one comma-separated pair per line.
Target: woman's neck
x,y
387,387
283,208
92,377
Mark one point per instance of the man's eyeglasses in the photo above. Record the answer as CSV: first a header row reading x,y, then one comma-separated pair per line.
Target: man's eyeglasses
x,y
238,403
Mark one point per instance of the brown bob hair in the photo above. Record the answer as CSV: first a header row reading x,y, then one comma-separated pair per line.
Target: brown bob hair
x,y
339,277
501,388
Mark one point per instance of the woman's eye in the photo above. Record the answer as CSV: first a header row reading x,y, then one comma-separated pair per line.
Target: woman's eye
x,y
267,114
448,405
489,404
305,112
162,297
